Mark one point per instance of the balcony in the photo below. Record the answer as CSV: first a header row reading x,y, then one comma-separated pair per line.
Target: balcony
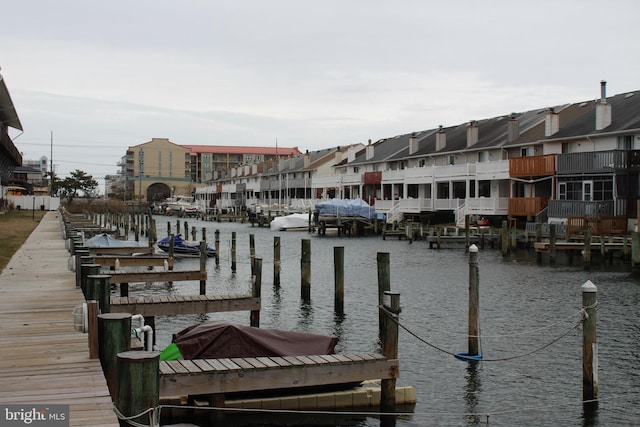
x,y
532,166
567,208
592,162
526,206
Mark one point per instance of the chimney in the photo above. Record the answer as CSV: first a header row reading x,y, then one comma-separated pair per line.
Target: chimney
x,y
513,128
603,110
368,155
441,139
307,159
351,154
551,122
413,144
472,133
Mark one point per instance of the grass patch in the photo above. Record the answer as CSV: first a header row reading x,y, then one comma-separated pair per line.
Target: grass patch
x,y
15,227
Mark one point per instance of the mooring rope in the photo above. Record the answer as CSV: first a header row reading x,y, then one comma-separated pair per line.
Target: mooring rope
x,y
515,334
152,412
501,359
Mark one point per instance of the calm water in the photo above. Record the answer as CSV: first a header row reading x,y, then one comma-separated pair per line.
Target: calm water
x,y
523,307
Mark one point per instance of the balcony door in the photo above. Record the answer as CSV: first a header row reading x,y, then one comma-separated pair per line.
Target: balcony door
x,y
587,191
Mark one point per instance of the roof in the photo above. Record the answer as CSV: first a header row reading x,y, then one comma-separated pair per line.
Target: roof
x,y
240,149
8,114
625,116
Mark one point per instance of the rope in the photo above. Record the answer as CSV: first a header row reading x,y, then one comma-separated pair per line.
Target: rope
x,y
153,417
392,316
515,334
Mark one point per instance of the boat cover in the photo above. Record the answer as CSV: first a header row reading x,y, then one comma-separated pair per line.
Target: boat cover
x,y
215,339
105,240
350,207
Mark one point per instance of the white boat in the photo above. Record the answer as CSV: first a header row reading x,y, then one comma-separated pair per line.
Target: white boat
x,y
296,221
181,206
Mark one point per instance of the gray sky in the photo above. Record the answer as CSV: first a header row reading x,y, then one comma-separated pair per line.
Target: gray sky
x,y
103,76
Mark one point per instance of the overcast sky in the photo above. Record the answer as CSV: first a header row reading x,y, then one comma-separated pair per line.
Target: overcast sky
x,y
105,75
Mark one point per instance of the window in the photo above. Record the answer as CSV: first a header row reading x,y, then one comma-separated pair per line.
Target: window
x,y
483,156
422,163
257,158
356,169
625,142
248,159
451,160
527,151
484,188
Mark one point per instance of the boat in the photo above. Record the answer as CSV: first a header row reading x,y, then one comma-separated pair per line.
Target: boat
x,y
105,240
184,247
295,221
215,339
180,205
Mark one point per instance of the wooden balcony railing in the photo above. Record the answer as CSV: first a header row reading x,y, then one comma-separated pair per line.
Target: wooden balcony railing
x,y
532,166
526,206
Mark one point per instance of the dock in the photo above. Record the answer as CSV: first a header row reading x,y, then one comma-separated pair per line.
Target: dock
x,y
43,359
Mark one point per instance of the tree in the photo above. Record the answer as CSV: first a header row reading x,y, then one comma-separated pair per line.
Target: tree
x,y
78,181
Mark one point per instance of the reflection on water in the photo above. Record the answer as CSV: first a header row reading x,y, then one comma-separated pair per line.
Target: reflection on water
x,y
523,307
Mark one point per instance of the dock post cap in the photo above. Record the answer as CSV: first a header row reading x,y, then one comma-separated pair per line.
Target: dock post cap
x,y
473,248
588,286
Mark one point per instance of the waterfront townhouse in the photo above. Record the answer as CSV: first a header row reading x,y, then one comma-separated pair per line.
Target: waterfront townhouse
x,y
586,165
295,182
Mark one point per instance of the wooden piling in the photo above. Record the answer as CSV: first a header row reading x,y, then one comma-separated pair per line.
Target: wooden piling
x,y
389,340
114,335
504,239
256,290
203,267
217,246
233,251
586,251
99,289
85,271
552,243
276,261
305,270
338,275
384,284
538,240
474,302
138,386
252,251
467,234
92,328
589,342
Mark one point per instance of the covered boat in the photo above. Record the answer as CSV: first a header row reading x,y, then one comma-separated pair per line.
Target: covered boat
x,y
184,247
105,240
215,340
294,221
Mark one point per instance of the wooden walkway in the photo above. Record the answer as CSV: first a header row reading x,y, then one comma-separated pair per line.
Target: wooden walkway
x,y
42,358
221,376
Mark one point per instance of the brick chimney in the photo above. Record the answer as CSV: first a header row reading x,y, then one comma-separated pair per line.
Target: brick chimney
x,y
472,133
603,110
551,122
441,139
413,144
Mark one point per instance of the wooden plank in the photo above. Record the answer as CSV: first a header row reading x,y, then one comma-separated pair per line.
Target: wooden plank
x,y
121,250
165,306
158,276
278,377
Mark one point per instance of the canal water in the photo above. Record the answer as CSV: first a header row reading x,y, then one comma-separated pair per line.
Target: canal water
x,y
532,368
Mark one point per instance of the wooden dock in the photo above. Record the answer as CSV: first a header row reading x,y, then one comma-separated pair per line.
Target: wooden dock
x,y
233,375
183,304
42,358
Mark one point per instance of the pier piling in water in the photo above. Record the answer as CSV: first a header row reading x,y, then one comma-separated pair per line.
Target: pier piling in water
x,y
389,340
138,388
305,270
474,302
276,261
338,275
589,342
384,284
